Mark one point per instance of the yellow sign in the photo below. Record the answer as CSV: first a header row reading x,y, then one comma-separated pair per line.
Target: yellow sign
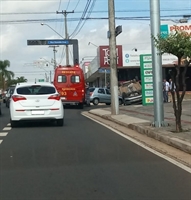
x,y
149,100
68,89
68,72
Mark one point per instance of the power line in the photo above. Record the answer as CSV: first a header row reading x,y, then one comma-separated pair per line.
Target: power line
x,y
68,5
59,5
89,13
100,11
81,19
77,6
83,15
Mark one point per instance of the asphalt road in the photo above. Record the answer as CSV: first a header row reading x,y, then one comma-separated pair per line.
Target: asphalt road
x,y
83,161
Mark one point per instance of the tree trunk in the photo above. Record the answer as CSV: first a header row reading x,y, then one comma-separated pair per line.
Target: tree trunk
x,y
178,116
177,105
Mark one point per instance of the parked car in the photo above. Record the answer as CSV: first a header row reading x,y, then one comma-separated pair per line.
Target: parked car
x,y
8,95
4,95
34,102
102,95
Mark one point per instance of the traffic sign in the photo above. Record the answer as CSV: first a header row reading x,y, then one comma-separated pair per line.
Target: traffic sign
x,y
73,42
36,42
57,42
103,71
48,42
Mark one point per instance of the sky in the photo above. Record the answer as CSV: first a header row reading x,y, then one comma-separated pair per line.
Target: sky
x,y
20,20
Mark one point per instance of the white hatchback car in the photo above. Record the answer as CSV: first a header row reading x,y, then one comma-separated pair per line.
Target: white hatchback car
x,y
34,102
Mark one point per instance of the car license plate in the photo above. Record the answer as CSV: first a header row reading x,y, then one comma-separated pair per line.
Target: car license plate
x,y
37,112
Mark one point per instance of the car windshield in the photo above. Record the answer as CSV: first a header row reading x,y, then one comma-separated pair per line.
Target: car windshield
x,y
36,90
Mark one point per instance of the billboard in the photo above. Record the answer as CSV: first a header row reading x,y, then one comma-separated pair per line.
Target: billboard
x,y
167,29
103,54
147,79
132,58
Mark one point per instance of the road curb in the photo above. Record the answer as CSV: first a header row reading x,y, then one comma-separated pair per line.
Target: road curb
x,y
163,136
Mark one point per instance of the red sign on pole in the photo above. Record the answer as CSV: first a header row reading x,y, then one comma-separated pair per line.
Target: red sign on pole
x,y
103,53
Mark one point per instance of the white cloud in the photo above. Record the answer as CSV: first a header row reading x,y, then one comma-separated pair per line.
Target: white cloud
x,y
93,30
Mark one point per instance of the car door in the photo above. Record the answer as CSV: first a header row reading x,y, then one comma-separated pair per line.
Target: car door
x,y
108,96
101,95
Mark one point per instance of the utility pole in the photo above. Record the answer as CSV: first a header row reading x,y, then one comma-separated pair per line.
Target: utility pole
x,y
113,59
157,65
54,51
66,32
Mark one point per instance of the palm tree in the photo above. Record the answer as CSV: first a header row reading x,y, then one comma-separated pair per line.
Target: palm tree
x,y
4,72
21,79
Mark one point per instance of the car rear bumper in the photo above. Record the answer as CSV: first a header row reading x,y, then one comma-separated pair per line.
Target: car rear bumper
x,y
27,115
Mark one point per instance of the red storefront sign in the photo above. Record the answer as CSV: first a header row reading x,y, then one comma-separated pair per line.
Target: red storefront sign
x,y
103,53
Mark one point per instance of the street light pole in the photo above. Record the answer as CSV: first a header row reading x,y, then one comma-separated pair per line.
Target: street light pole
x,y
105,78
42,24
92,44
157,64
113,60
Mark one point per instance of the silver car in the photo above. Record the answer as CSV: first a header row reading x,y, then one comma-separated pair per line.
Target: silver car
x,y
102,95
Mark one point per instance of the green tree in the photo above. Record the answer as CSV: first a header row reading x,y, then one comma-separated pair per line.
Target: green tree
x,y
21,79
178,44
4,72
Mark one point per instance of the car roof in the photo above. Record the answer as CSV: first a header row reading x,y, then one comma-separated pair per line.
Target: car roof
x,y
35,83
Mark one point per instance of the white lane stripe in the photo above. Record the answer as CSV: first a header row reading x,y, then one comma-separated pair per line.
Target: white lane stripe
x,y
7,129
188,169
1,141
8,124
3,134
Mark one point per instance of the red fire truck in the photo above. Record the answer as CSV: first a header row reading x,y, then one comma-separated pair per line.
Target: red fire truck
x,y
70,83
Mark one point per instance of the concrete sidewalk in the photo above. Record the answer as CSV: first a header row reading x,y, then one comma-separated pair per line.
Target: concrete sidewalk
x,y
140,119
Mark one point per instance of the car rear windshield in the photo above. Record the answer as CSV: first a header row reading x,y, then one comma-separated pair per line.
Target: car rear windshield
x,y
92,89
36,90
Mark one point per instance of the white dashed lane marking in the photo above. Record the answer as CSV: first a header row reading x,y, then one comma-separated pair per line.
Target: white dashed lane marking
x,y
3,134
7,129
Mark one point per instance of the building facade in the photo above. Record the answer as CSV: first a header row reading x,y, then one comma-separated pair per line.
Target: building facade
x,y
97,72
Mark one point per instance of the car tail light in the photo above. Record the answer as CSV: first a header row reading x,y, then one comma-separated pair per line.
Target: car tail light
x,y
54,97
91,94
18,98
